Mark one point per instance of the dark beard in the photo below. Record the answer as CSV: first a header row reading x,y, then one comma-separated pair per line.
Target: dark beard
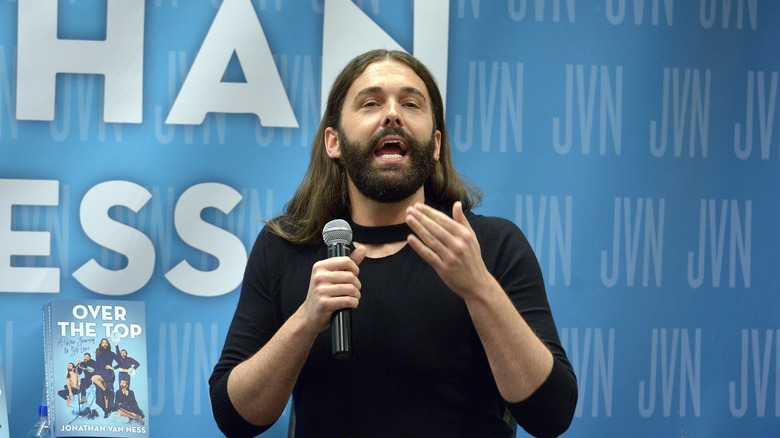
x,y
387,182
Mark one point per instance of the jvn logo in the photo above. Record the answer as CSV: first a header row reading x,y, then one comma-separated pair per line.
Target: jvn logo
x,y
761,98
711,10
499,89
593,359
664,351
533,217
756,361
616,11
644,221
519,8
610,107
186,355
682,89
712,233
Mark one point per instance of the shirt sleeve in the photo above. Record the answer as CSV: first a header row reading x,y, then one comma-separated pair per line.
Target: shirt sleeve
x,y
550,409
254,323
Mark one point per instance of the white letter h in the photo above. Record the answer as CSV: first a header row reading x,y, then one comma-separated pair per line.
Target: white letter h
x,y
42,55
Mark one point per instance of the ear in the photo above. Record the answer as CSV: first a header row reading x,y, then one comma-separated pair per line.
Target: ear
x,y
332,146
437,140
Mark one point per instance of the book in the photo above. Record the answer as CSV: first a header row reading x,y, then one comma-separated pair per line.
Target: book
x,y
4,431
96,381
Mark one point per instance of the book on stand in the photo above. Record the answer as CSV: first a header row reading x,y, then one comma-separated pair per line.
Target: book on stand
x,y
96,379
4,431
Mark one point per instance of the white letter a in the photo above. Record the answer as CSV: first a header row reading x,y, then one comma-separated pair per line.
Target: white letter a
x,y
236,28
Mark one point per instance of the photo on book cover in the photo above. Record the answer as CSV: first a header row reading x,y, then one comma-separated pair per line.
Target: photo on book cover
x,y
96,368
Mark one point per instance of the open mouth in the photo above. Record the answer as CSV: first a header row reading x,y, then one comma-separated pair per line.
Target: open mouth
x,y
391,149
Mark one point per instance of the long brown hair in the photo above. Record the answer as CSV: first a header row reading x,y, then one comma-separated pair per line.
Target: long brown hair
x,y
323,196
99,349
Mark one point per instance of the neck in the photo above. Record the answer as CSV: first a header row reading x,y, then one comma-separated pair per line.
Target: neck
x,y
370,213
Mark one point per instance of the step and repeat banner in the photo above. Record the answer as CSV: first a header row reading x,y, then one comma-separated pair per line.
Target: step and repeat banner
x,y
635,142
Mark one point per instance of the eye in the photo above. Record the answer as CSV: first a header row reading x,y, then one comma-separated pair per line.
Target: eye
x,y
412,104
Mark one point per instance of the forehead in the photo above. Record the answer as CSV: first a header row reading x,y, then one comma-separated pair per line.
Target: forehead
x,y
388,75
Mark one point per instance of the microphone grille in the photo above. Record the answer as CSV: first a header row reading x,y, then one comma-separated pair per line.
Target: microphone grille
x,y
337,231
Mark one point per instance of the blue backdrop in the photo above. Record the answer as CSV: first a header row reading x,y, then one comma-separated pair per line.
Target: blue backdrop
x,y
632,140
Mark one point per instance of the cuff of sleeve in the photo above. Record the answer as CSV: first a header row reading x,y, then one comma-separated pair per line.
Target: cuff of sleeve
x,y
229,421
550,409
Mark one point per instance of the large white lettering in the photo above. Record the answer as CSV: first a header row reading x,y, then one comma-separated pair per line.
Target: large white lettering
x,y
236,29
130,235
431,39
33,243
123,239
41,55
226,247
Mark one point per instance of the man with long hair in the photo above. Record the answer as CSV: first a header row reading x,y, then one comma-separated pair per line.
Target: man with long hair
x,y
452,334
104,375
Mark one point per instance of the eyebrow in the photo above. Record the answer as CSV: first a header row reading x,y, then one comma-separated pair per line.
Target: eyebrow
x,y
377,89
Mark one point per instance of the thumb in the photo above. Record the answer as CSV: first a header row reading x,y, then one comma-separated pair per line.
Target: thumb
x,y
358,254
459,216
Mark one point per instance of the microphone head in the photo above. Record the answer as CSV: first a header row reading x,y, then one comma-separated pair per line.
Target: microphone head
x,y
337,231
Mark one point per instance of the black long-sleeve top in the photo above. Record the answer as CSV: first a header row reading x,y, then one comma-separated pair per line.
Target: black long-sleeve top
x,y
418,367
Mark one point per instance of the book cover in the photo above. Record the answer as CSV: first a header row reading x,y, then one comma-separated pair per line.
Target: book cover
x,y
96,379
3,406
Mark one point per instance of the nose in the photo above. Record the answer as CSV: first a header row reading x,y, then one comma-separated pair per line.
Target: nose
x,y
393,116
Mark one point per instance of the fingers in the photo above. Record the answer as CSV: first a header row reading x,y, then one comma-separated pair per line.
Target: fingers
x,y
334,285
424,251
434,224
449,245
336,277
445,236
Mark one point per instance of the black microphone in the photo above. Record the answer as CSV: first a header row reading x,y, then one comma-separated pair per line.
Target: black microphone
x,y
337,235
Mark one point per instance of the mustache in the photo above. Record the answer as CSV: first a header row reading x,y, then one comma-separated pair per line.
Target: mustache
x,y
394,130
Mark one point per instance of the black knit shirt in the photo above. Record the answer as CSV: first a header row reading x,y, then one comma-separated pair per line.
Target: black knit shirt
x,y
418,368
